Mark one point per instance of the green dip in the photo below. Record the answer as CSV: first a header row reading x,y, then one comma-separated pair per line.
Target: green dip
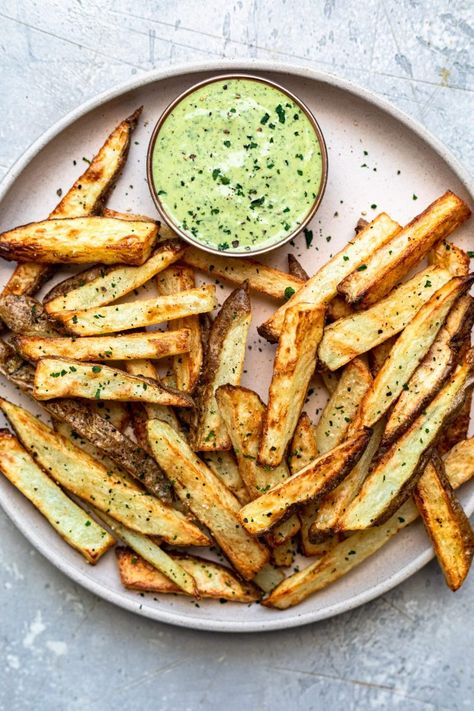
x,y
237,165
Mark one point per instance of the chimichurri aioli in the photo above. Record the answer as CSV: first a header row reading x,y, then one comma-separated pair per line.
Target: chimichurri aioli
x,y
237,165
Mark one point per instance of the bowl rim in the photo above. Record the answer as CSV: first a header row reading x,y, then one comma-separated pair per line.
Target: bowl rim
x,y
185,235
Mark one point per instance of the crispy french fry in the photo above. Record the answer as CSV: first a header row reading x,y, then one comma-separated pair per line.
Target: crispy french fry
x,y
80,240
343,405
123,317
112,284
432,372
313,481
390,263
446,523
207,497
268,578
322,287
338,308
379,354
409,350
133,217
243,413
294,364
284,555
61,377
260,277
85,197
351,552
67,518
79,473
115,412
223,364
25,315
330,380
212,579
156,344
151,552
451,257
349,337
186,367
146,369
392,479
225,467
296,269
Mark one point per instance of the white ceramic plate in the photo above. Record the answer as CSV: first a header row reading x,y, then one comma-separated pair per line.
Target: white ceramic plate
x,y
377,156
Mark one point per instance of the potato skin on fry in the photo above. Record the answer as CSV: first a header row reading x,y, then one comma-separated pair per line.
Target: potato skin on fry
x,y
80,240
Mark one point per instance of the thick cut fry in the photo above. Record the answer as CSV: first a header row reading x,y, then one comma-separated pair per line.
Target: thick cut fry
x,y
352,551
212,579
208,499
294,364
243,413
112,284
283,556
224,466
313,481
153,555
392,480
451,257
156,344
26,316
349,337
409,350
186,367
67,518
379,354
152,411
338,308
133,346
138,314
322,287
223,364
432,372
390,263
296,269
343,405
260,277
60,377
80,474
85,197
80,240
446,523
115,412
268,578
90,425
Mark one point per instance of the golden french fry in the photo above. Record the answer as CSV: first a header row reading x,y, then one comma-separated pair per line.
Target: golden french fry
x,y
224,466
451,257
296,269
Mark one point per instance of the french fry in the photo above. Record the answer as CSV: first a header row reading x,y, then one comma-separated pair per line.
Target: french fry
x,y
155,556
85,197
243,413
330,380
212,579
313,481
296,269
115,412
349,337
284,555
133,217
409,350
61,377
186,367
338,308
351,552
342,407
146,369
71,522
112,284
260,277
322,287
446,523
26,316
90,425
268,577
294,364
132,346
451,257
207,497
225,467
392,479
80,240
138,314
432,372
75,470
379,354
223,364
390,263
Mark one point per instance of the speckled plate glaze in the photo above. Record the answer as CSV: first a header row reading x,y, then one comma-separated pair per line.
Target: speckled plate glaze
x,y
379,159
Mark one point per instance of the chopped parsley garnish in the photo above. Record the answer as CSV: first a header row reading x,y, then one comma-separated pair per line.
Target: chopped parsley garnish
x,y
264,119
223,246
308,235
289,291
96,368
258,202
362,268
281,113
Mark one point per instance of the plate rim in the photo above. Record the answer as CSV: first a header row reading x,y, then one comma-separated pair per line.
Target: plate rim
x,y
190,68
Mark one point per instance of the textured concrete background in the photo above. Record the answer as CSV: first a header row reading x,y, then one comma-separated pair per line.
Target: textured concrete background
x,y
60,647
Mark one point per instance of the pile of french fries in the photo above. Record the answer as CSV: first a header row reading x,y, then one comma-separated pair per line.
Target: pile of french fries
x,y
154,442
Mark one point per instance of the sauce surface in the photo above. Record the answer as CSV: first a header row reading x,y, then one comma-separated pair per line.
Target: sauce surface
x,y
237,165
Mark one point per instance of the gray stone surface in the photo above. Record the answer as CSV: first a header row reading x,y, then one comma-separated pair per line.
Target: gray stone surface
x,y
60,647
